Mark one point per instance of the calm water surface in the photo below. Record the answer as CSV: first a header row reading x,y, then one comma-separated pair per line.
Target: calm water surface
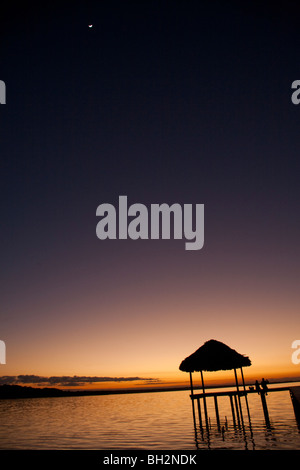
x,y
161,420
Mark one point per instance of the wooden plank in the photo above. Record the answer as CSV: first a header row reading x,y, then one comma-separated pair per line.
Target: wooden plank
x,y
241,393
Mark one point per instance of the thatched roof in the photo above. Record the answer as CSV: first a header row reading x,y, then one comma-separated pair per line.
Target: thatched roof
x,y
213,356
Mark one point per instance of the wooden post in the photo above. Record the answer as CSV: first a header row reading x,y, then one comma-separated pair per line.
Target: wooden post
x,y
193,405
232,410
239,398
246,398
296,405
265,408
237,410
217,412
199,413
204,400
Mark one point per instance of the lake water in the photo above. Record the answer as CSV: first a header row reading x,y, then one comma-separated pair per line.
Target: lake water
x,y
149,421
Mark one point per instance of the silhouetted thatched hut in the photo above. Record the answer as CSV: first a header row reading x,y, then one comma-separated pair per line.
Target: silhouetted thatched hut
x,y
213,356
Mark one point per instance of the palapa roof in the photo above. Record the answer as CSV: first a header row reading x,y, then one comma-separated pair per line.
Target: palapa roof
x,y
213,356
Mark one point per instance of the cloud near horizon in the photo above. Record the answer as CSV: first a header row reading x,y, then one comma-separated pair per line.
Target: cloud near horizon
x,y
67,381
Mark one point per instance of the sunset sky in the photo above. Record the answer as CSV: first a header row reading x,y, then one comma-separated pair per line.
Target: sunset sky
x,y
165,102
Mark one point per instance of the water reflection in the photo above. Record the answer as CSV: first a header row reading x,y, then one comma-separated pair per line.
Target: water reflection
x,y
224,435
238,432
143,421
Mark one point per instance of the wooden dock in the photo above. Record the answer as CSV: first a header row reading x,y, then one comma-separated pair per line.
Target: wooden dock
x,y
235,402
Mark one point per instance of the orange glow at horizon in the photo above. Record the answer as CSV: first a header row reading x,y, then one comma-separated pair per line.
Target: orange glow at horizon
x,y
146,327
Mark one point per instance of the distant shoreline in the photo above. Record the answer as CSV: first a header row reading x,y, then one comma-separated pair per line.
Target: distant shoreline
x,y
19,391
